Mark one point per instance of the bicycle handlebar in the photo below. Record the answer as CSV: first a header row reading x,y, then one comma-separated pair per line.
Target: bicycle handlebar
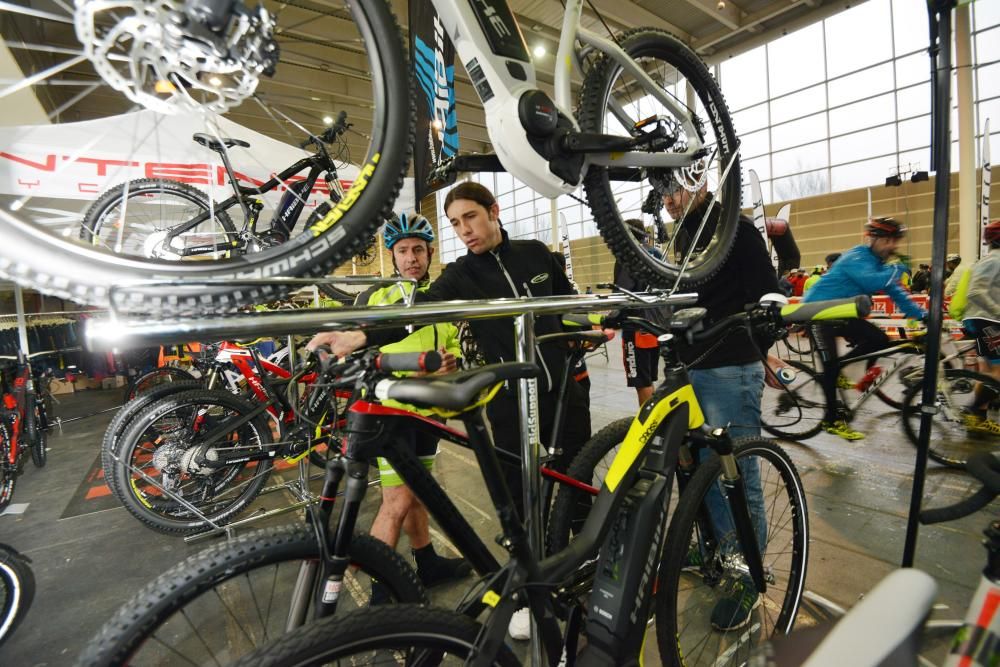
x,y
330,134
986,468
393,362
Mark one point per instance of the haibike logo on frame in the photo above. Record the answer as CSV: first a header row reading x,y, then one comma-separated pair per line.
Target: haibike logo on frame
x,y
494,19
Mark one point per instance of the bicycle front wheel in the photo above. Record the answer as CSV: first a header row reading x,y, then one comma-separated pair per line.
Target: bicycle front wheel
x,y
393,635
323,58
155,378
235,597
957,432
36,436
613,102
796,410
17,590
166,476
703,578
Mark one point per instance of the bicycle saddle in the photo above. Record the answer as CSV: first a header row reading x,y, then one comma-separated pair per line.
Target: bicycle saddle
x,y
210,142
456,390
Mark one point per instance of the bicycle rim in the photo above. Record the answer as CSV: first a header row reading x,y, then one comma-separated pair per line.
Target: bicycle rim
x,y
158,479
233,598
17,589
796,410
612,102
343,56
687,599
956,434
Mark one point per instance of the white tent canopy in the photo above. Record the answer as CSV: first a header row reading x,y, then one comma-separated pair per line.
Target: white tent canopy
x,y
51,173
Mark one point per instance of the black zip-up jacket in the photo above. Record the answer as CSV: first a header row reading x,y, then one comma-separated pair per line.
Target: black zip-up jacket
x,y
745,276
512,269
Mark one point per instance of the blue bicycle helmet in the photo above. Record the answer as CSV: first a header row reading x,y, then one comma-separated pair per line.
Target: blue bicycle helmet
x,y
403,227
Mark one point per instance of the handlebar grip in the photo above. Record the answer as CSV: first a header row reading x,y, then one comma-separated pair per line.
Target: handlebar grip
x,y
834,309
409,361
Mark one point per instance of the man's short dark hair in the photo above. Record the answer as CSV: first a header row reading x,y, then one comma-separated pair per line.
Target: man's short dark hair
x,y
472,191
831,258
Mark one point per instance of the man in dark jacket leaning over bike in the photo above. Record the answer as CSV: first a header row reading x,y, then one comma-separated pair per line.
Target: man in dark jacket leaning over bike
x,y
497,267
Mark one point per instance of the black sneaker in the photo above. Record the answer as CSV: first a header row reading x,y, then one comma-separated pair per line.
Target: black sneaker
x,y
440,570
733,611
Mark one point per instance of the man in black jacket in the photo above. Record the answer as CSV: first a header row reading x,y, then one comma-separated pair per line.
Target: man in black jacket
x,y
497,267
728,376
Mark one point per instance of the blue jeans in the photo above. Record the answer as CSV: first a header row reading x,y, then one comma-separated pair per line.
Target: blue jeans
x,y
730,396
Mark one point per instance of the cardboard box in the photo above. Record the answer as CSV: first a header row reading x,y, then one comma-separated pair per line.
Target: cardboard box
x,y
108,383
81,383
61,387
93,383
120,381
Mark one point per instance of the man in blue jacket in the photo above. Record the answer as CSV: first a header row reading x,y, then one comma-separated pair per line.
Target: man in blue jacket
x,y
860,270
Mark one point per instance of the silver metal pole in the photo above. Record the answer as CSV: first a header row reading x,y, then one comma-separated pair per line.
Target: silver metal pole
x,y
524,341
125,333
22,325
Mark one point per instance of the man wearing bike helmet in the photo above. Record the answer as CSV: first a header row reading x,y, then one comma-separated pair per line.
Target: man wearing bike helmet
x,y
409,239
861,270
977,304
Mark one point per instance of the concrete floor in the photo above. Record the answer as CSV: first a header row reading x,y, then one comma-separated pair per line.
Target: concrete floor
x,y
858,495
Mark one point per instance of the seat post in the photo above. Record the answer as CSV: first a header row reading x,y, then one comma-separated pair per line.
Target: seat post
x,y
234,183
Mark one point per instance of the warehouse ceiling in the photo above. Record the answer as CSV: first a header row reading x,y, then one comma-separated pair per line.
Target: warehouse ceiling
x,y
323,70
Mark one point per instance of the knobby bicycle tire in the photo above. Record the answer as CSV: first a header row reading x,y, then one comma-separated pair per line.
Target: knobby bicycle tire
x,y
389,629
147,381
593,111
685,581
35,436
123,419
954,436
219,494
572,505
258,568
17,590
796,410
89,275
134,192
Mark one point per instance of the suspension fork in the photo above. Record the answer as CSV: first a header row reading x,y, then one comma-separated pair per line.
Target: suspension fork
x,y
735,490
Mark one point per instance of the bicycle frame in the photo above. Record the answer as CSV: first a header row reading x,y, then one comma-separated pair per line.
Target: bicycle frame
x,y
490,45
316,165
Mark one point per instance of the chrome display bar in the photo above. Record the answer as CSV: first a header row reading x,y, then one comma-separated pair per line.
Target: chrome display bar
x,y
125,332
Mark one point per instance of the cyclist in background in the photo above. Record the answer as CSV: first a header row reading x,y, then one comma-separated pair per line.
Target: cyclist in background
x,y
861,270
977,304
409,240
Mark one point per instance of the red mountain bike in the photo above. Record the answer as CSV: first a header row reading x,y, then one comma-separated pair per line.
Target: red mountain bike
x,y
24,419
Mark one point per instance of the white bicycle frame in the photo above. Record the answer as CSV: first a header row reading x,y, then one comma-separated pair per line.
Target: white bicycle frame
x,y
500,90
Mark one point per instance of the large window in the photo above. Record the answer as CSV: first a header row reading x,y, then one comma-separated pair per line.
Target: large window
x,y
838,105
844,103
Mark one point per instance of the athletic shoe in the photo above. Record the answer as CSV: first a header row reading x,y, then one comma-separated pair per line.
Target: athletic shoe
x,y
841,429
979,424
733,611
694,561
441,570
520,625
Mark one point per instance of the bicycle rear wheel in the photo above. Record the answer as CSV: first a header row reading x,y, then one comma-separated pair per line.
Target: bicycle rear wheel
x,y
352,48
611,102
382,635
17,590
135,217
154,378
161,451
235,597
795,411
35,434
703,564
956,433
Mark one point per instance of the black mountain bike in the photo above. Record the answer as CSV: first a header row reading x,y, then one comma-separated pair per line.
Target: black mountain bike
x,y
166,219
624,547
17,589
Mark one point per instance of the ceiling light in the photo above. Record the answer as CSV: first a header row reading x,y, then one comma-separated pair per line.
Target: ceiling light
x,y
215,81
437,124
539,51
893,181
919,176
721,6
314,99
16,204
328,120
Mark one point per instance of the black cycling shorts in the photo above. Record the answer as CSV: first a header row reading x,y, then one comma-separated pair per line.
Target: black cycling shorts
x,y
641,363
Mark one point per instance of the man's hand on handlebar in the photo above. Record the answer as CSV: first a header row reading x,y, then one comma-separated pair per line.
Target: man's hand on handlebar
x,y
341,343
